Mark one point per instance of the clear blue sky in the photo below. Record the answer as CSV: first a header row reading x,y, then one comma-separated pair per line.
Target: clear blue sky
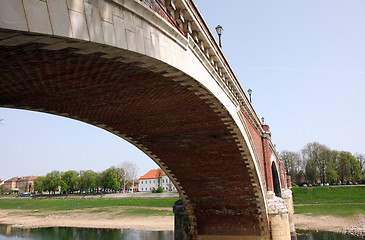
x,y
304,61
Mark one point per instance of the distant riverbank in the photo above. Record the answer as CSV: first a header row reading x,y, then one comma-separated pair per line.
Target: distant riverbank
x,y
102,196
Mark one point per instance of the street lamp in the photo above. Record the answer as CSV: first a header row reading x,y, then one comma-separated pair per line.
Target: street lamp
x,y
263,120
249,93
219,30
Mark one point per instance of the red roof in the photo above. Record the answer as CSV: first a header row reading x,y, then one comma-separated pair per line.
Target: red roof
x,y
14,179
153,174
27,178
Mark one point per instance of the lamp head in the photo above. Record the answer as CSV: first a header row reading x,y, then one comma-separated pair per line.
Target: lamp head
x,y
219,30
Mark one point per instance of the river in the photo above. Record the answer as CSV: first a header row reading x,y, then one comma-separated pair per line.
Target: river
x,y
7,232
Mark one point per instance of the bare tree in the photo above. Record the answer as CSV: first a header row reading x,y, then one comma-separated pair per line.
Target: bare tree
x,y
131,171
361,158
159,176
316,156
293,165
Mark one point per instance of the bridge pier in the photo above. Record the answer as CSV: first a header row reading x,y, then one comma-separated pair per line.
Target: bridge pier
x,y
182,223
288,198
278,218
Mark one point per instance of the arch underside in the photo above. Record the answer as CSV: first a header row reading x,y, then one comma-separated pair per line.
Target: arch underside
x,y
182,131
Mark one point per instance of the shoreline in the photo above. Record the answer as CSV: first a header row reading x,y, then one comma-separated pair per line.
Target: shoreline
x,y
108,218
115,218
354,226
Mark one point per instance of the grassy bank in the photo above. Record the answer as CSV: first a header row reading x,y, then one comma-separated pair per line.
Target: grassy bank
x,y
343,201
341,210
80,204
329,194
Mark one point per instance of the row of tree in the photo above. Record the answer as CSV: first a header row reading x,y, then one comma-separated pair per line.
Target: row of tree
x,y
111,179
316,163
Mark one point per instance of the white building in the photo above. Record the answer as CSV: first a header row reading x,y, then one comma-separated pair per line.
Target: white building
x,y
153,179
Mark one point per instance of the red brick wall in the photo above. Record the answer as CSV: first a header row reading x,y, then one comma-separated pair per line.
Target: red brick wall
x,y
184,131
256,137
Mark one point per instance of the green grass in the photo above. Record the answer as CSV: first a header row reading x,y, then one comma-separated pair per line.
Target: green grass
x,y
8,195
148,212
329,194
329,200
341,210
78,204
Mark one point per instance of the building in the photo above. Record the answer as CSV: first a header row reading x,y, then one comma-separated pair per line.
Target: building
x,y
20,184
10,185
153,179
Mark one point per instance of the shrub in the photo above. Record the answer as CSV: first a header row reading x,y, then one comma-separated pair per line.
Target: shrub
x,y
159,189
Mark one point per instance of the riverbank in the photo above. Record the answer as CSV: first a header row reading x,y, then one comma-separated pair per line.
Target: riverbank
x,y
154,219
338,209
354,225
138,218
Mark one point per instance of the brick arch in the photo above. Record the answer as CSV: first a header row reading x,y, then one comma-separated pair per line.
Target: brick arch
x,y
276,179
166,114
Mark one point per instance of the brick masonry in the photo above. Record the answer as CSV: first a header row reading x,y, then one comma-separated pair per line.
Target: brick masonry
x,y
169,121
120,66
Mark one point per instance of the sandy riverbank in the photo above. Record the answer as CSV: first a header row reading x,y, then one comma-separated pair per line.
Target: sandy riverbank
x,y
354,226
116,218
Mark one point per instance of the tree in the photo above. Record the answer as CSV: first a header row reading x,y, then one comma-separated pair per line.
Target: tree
x,y
331,173
292,162
344,166
109,179
2,190
88,180
131,171
361,159
70,181
311,173
53,181
121,174
159,176
39,184
355,169
316,155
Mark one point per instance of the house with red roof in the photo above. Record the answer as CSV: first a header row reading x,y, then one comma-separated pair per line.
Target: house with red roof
x,y
20,184
153,179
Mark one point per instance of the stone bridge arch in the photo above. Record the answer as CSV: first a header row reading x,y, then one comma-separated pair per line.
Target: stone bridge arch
x,y
121,66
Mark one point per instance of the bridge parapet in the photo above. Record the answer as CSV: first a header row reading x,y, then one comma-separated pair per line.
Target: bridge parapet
x,y
187,19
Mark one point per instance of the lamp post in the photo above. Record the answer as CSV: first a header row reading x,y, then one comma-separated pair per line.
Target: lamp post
x,y
249,93
263,120
219,30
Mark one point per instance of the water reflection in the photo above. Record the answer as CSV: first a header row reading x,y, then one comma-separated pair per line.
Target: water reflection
x,y
9,232
313,235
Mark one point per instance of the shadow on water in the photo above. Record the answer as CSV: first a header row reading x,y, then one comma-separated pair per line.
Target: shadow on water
x,y
66,233
314,235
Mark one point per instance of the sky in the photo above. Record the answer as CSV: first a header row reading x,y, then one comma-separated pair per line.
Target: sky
x,y
303,60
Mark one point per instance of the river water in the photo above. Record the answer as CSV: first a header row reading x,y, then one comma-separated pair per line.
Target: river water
x,y
8,232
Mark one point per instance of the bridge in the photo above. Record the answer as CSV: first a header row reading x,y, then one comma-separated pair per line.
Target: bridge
x,y
151,72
